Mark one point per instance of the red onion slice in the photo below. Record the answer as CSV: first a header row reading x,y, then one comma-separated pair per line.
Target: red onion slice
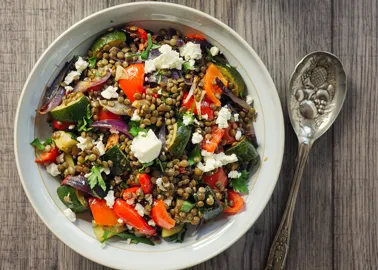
x,y
238,101
55,101
79,182
114,125
83,86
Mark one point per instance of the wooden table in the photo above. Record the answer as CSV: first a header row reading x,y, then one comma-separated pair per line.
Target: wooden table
x,y
336,217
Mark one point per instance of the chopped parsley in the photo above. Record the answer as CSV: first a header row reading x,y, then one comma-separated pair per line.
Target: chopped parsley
x,y
135,129
145,165
92,62
240,184
41,146
145,53
95,178
84,125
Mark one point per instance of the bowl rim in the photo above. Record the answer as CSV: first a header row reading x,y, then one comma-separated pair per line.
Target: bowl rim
x,y
214,20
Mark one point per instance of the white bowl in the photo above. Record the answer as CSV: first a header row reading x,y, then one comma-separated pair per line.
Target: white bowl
x,y
215,236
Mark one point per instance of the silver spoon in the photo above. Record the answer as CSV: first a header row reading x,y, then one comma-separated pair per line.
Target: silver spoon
x,y
316,94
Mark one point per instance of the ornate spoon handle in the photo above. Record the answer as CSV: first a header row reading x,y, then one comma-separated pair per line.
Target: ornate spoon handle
x,y
280,246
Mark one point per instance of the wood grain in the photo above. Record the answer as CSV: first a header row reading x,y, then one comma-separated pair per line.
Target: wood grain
x,y
355,138
335,222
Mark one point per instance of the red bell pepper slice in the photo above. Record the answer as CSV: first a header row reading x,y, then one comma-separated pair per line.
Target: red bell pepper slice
x,y
161,217
196,36
102,213
145,182
227,136
142,34
48,156
205,106
216,137
131,217
105,115
61,125
134,83
218,176
211,89
235,202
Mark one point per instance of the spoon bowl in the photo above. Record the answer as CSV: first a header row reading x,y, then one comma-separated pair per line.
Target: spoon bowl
x,y
317,91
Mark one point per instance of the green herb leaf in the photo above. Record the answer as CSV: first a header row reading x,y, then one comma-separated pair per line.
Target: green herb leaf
x,y
84,125
186,66
145,165
92,62
37,143
162,165
195,153
159,76
134,128
155,46
95,178
106,236
41,146
240,184
178,237
145,53
135,239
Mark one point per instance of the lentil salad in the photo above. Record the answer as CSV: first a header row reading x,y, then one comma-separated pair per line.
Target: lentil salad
x,y
151,132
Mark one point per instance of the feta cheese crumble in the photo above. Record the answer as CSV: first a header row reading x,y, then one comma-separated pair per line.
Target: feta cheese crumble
x,y
69,89
105,170
234,174
223,116
238,135
60,158
109,198
249,99
135,116
168,202
149,66
110,92
214,161
214,51
197,138
151,222
187,119
236,117
159,183
53,169
73,75
146,146
81,65
70,215
140,209
205,116
83,142
168,59
120,221
100,146
191,51
71,127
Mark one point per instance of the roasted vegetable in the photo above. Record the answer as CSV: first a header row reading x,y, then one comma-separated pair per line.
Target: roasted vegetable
x,y
72,198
